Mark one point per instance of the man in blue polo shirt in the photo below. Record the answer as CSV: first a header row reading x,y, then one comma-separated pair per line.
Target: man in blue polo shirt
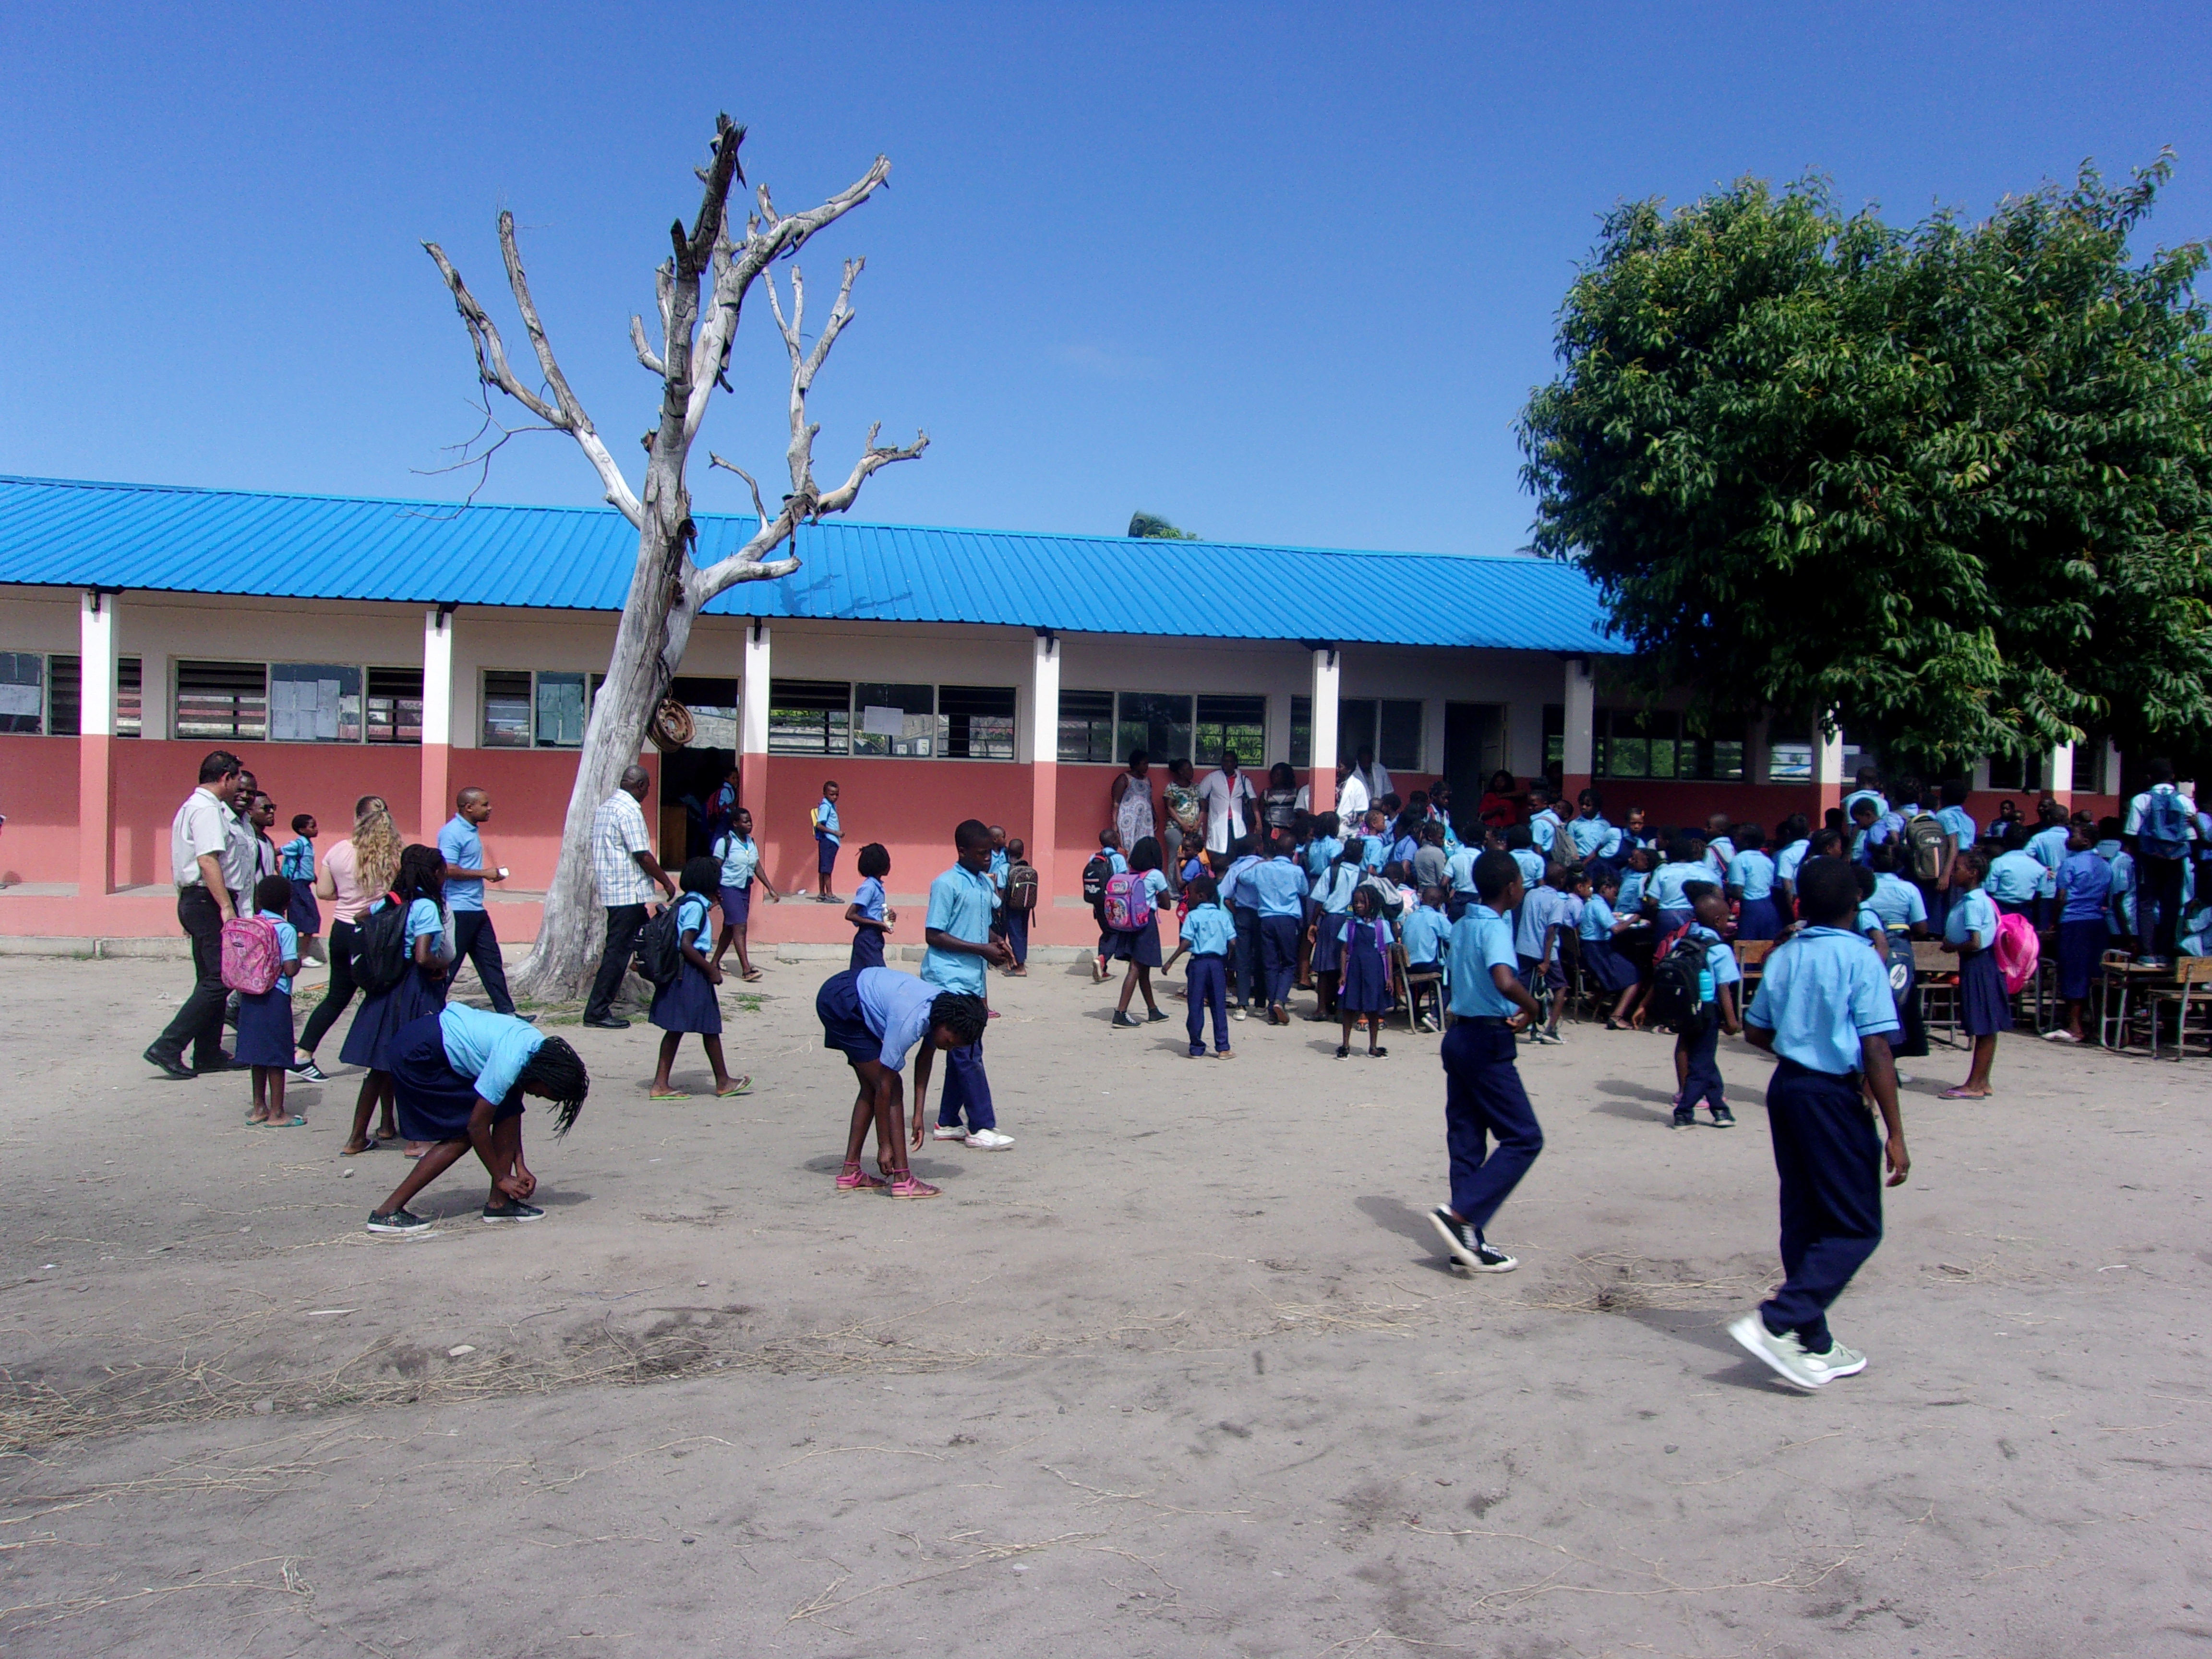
x,y
1824,1010
958,932
467,873
1483,1095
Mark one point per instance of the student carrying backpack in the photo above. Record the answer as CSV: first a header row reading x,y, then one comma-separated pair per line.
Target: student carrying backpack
x,y
250,956
1127,902
1096,875
1925,840
660,947
2164,831
379,946
1681,991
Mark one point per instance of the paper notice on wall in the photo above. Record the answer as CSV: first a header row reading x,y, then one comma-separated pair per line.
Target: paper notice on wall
x,y
284,711
326,711
877,722
24,700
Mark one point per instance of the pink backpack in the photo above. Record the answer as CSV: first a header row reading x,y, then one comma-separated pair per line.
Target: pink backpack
x,y
249,955
1128,903
2018,952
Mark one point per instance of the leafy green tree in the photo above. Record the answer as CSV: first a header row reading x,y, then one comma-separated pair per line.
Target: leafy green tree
x,y
1158,529
1945,486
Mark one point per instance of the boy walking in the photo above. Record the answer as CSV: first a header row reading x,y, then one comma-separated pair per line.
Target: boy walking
x,y
1824,1010
1697,1052
958,933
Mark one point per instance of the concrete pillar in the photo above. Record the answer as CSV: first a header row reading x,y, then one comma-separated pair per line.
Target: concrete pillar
x,y
1320,779
1827,774
96,770
1580,696
752,729
2062,775
431,809
1043,758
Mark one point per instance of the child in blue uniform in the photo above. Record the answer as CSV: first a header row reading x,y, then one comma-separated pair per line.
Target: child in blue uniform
x,y
876,1017
871,917
1209,932
1697,1052
295,862
2014,876
1363,964
1823,1009
1686,863
829,836
1017,897
687,1003
264,1020
1611,972
957,931
1140,946
2085,887
420,886
1278,887
1750,880
1969,933
740,858
1423,932
1483,1095
1331,901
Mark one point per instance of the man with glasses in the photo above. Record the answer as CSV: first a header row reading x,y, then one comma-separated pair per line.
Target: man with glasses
x,y
206,839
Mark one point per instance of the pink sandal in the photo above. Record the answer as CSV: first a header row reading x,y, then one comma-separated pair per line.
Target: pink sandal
x,y
855,1179
905,1184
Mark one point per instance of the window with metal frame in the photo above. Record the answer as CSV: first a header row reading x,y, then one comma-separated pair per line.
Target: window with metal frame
x,y
897,720
314,702
392,712
1236,724
64,696
505,708
1301,733
975,722
1555,739
810,717
561,711
22,692
713,701
1158,722
130,709
1398,741
1086,728
221,700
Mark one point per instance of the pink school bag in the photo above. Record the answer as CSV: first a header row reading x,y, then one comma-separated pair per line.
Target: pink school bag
x,y
249,955
2018,952
1128,903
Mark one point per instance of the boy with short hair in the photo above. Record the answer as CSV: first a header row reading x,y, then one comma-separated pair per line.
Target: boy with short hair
x,y
961,948
2015,875
1018,892
1863,812
1424,932
829,836
295,862
1697,1052
1209,933
876,1017
1824,1010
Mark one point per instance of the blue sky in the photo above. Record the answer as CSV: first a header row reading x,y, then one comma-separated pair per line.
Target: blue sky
x,y
1282,274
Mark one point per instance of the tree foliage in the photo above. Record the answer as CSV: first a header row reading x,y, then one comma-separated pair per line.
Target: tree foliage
x,y
1152,526
1946,486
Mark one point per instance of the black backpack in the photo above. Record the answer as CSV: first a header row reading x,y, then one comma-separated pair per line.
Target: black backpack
x,y
379,947
1675,999
1096,874
658,952
1021,887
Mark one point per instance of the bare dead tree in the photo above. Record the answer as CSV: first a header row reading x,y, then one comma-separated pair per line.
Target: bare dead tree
x,y
668,588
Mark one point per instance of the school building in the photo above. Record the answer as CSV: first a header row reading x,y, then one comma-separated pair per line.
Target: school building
x,y
348,646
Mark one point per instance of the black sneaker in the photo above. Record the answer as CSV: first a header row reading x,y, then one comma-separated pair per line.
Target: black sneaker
x,y
402,1222
307,1072
514,1210
1121,1018
175,1070
1491,1258
1156,1015
1723,1118
1461,1243
1685,1117
609,1024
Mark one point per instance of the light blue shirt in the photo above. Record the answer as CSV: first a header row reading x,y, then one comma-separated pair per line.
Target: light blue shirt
x,y
960,903
1897,901
1209,930
869,896
462,849
1481,940
1235,891
1720,853
1787,860
296,859
1665,887
1632,889
1720,960
1972,920
826,822
1959,824
2123,894
895,1007
1423,932
694,922
1458,869
1597,918
2048,849
422,917
288,949
491,1050
1753,874
1538,911
1532,867
2088,880
1821,994
1373,853
1337,888
1321,852
1278,888
1590,835
2015,877
740,859
1544,830
1881,803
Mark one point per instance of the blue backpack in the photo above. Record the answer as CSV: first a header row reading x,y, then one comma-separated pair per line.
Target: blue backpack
x,y
2165,832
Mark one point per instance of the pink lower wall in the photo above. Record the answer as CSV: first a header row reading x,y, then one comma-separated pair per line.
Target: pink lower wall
x,y
39,794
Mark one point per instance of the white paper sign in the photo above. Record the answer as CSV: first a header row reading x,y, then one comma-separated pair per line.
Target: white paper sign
x,y
284,711
877,722
24,700
326,711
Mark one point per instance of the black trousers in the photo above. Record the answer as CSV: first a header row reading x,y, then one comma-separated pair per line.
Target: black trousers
x,y
474,941
2158,905
340,991
1250,972
199,1019
624,923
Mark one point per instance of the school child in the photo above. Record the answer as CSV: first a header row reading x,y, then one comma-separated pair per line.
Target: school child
x,y
1105,864
961,948
1899,913
1424,930
1634,832
829,836
1869,788
997,873
1331,901
1868,924
1601,925
1365,967
1789,850
1896,901
1278,885
2014,875
2085,889
1406,843
1573,884
2161,832
1685,863
1430,865
1459,878
1863,814
295,862
1209,933
1635,880
1134,899
1245,972
1520,846
420,887
1751,883
1532,928
2047,846
1823,1009
1018,903
459,1076
1969,933
871,917
1697,1052
1483,1095
739,857
1588,831
687,1003
264,1019
1544,823
876,1017
1720,847
1375,843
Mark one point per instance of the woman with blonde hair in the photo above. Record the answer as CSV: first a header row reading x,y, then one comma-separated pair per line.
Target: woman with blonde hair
x,y
355,874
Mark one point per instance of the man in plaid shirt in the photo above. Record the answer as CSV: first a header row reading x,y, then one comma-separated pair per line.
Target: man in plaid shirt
x,y
623,865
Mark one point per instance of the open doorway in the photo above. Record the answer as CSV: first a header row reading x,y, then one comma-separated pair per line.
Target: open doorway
x,y
1475,747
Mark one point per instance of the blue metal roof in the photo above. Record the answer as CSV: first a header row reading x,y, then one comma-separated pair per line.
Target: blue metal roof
x,y
184,540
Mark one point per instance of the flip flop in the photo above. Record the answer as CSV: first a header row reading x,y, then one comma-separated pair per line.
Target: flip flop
x,y
355,1152
753,977
739,1085
292,1123
673,1094
1961,1094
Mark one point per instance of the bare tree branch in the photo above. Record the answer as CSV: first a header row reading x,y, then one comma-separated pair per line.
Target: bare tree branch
x,y
872,460
759,511
645,354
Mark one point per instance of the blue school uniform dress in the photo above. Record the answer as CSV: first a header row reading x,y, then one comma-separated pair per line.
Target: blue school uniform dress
x,y
829,836
960,904
2012,882
264,1022
874,1014
2047,847
1898,903
1821,993
1757,916
1141,947
1664,890
1278,887
1591,836
382,1013
2087,881
1611,971
443,1063
868,942
1211,933
1363,956
1483,1095
1984,1010
688,1003
1333,896
295,862
1704,1085
740,861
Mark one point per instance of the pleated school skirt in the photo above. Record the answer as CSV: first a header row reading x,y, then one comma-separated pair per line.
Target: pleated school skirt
x,y
687,1003
1984,1010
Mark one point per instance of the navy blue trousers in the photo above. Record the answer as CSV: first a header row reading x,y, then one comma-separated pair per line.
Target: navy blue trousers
x,y
1829,1158
1017,936
967,1089
1278,951
1705,1085
1250,972
1205,981
1483,1098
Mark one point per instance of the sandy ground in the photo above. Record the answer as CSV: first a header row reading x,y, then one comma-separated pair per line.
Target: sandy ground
x,y
1182,1373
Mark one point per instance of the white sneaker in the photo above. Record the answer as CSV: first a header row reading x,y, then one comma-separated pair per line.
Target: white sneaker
x,y
1785,1354
1235,1013
1838,1361
948,1132
988,1140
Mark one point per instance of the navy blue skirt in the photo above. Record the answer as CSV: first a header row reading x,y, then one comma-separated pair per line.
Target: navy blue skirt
x,y
844,1027
1758,918
1141,947
1606,966
379,1018
2080,949
737,905
435,1101
1366,986
1984,1010
303,913
867,949
1328,946
264,1028
687,1003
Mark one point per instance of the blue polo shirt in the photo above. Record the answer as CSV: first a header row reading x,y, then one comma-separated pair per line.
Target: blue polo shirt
x,y
491,1050
1278,888
1972,919
1959,824
1233,890
1544,829
740,859
1897,901
1321,851
895,1007
1481,940
1787,860
1590,834
1753,874
2048,849
1458,869
1819,993
1336,888
1532,867
960,903
1720,961
2015,877
1543,907
462,849
1632,889
1665,887
2088,880
1209,930
1423,931
1597,919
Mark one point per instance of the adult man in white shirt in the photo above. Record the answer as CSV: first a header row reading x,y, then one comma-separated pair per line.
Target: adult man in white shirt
x,y
626,871
1372,773
198,837
1231,805
1352,799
